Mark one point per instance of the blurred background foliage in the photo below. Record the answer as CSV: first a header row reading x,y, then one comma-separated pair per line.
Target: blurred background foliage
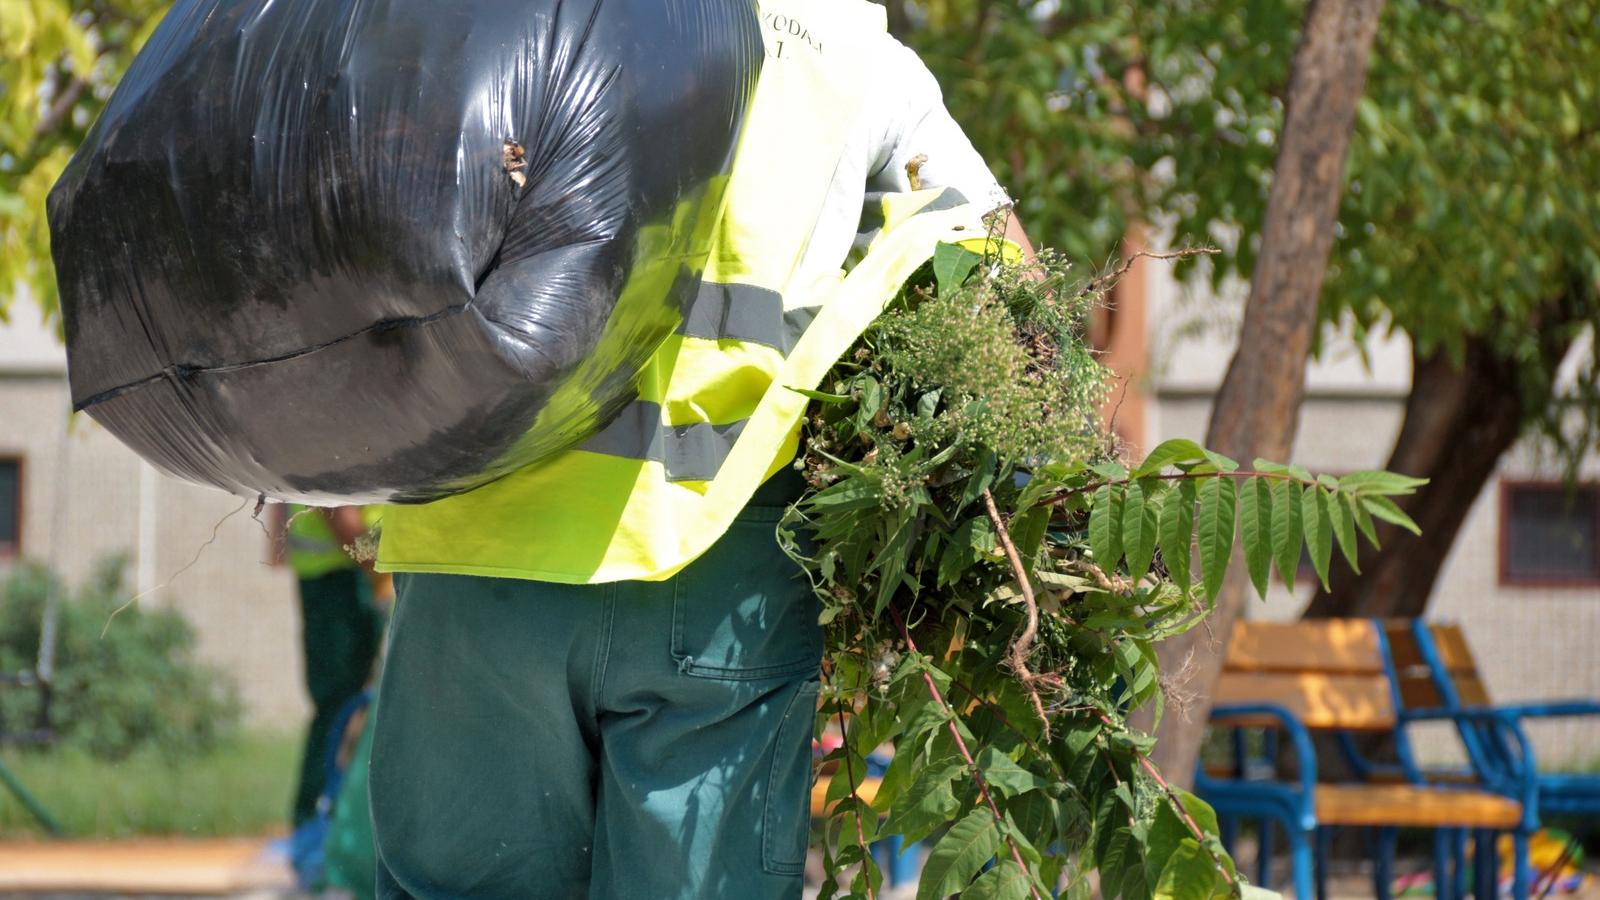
x,y
59,61
132,686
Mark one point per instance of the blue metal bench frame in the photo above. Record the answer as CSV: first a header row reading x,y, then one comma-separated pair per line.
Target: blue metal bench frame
x,y
1491,750
1292,806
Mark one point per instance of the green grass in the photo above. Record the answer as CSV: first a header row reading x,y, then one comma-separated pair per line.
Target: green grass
x,y
241,788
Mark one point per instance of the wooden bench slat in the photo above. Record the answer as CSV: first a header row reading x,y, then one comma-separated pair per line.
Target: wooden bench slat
x,y
1320,702
1336,646
1470,690
1405,805
1454,653
1403,647
1449,640
1419,692
1449,777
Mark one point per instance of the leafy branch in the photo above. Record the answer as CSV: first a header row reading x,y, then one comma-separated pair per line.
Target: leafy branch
x,y
966,754
962,496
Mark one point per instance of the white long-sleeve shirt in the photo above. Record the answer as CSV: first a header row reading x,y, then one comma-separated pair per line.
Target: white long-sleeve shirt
x,y
902,116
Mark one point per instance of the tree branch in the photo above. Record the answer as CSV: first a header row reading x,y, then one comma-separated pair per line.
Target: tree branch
x,y
1018,653
61,107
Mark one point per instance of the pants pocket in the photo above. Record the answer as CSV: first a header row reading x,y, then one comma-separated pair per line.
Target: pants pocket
x,y
743,610
786,821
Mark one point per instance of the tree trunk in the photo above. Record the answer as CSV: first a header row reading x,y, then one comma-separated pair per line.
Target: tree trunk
x,y
1257,408
1459,422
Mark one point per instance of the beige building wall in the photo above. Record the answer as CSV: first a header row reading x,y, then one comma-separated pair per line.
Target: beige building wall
x,y
1531,643
86,497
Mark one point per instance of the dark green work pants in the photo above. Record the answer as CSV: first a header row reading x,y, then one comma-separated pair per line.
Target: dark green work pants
x,y
340,634
632,740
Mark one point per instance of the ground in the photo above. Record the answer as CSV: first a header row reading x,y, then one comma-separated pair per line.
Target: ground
x,y
248,869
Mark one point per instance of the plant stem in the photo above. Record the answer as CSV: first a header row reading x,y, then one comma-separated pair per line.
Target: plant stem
x,y
977,774
1172,796
1024,641
849,772
1098,285
1177,476
1000,716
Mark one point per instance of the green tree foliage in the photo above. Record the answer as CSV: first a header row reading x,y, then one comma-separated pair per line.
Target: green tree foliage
x,y
994,583
59,60
115,690
1473,201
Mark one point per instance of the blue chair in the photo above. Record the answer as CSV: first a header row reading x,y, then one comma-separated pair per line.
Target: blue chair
x,y
1333,677
1454,676
1438,676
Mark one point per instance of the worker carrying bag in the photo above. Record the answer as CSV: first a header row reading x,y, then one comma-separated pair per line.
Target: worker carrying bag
x,y
389,250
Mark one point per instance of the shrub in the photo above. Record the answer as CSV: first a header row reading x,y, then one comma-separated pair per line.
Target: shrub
x,y
120,684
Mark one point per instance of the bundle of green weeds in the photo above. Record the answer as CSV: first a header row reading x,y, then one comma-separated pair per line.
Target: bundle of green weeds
x,y
971,401
993,581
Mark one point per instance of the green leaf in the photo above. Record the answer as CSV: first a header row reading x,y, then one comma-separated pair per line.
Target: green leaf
x,y
1287,530
959,855
1034,813
1027,533
1114,860
1200,811
1223,463
1105,526
952,265
929,803
1135,884
1005,776
1385,509
1387,483
1138,667
851,493
1110,469
840,785
1255,530
1189,875
1363,518
1006,881
821,396
1218,497
1141,514
1344,529
1177,532
1318,530
1177,450
982,477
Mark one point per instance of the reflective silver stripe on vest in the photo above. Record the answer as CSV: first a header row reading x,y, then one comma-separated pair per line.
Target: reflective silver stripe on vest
x,y
695,452
688,452
872,212
745,312
741,312
302,544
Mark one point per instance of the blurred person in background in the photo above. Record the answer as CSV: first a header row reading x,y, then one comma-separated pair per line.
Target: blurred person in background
x,y
341,624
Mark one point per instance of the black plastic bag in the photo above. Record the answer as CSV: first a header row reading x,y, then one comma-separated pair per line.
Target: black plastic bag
x,y
392,249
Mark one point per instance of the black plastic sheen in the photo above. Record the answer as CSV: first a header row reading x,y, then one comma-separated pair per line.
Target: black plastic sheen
x,y
392,249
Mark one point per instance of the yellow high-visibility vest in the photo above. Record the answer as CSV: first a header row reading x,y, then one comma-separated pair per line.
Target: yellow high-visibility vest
x,y
313,550
715,414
